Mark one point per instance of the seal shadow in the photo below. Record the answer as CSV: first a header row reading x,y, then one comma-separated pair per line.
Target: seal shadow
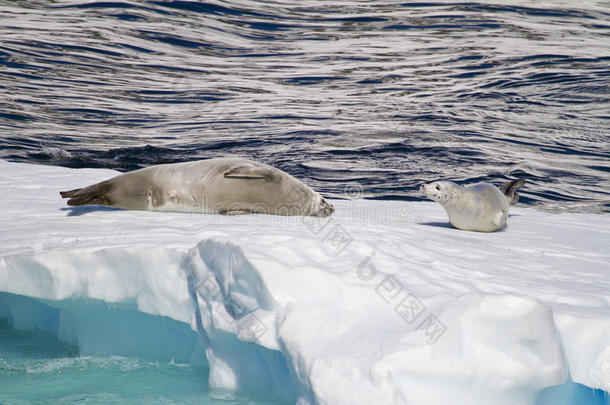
x,y
449,226
85,209
438,224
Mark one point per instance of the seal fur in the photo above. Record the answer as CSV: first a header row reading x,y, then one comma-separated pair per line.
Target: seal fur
x,y
228,186
481,207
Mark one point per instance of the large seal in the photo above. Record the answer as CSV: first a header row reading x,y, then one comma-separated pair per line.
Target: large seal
x,y
480,207
225,186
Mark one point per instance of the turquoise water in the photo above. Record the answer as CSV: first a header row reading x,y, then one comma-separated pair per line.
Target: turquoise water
x,y
36,368
572,394
122,357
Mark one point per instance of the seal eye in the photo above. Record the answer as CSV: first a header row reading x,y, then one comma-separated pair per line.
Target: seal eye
x,y
438,188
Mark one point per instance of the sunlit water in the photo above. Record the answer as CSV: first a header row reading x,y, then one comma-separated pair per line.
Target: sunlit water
x,y
381,95
356,98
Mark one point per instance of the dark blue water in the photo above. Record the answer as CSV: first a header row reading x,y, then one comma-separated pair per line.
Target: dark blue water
x,y
378,94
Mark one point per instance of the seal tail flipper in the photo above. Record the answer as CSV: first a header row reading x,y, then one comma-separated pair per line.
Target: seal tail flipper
x,y
91,195
510,190
70,193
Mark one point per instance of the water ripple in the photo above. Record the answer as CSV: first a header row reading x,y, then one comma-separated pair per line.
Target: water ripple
x,y
384,94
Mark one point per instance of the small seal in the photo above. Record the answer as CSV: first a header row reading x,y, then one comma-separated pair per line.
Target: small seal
x,y
229,186
481,207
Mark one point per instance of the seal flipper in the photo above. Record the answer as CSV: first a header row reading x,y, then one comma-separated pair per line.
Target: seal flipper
x,y
234,212
70,193
91,195
251,172
510,190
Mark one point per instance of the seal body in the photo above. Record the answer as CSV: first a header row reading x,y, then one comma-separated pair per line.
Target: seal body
x,y
227,186
481,207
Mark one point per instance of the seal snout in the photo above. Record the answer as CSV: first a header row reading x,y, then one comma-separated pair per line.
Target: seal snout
x,y
437,190
425,188
328,207
324,208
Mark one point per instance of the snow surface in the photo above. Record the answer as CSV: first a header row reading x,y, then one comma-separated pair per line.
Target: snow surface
x,y
381,303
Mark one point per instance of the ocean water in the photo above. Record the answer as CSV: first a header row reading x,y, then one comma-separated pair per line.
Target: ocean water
x,y
357,98
365,98
36,368
125,357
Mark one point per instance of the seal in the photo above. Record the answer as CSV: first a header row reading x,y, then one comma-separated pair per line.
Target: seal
x,y
481,207
229,186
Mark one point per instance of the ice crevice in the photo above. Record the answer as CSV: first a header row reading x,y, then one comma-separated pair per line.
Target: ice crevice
x,y
233,313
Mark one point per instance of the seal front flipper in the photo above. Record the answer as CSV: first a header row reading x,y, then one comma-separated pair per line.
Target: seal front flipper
x,y
510,190
234,212
251,172
91,195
